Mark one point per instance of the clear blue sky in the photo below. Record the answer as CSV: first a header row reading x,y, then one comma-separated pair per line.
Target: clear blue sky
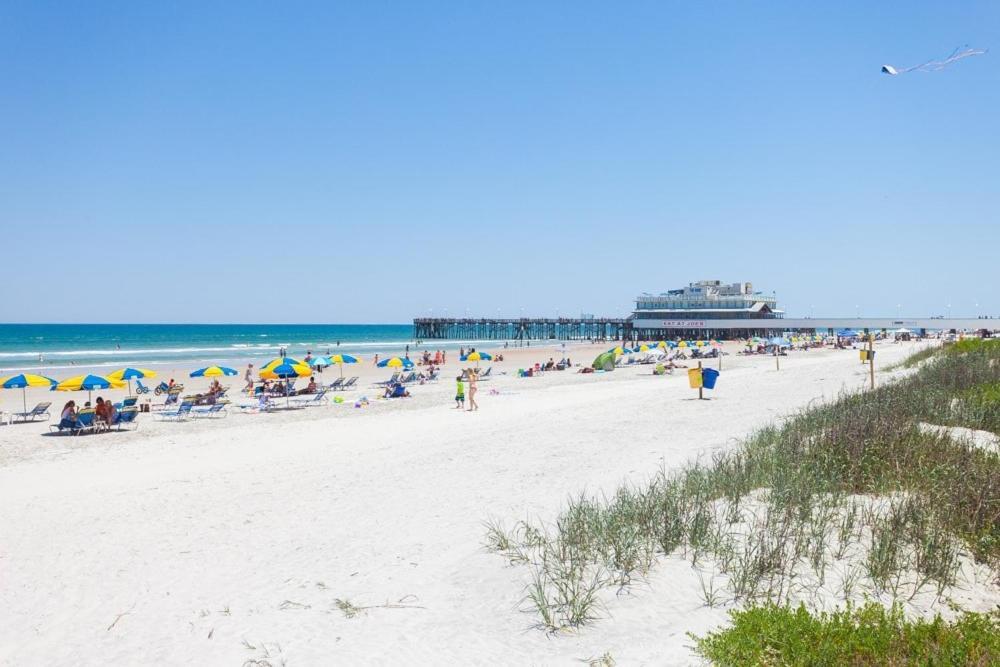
x,y
310,162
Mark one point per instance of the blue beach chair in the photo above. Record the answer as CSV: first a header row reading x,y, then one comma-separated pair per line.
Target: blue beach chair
x,y
126,419
182,412
40,410
214,411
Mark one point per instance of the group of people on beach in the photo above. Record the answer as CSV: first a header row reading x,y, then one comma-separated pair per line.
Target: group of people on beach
x,y
104,413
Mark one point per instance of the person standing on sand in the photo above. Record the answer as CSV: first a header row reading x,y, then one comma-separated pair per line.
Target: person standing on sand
x,y
459,394
376,358
473,381
249,378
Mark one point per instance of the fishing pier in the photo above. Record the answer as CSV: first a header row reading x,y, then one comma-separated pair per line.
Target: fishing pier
x,y
522,328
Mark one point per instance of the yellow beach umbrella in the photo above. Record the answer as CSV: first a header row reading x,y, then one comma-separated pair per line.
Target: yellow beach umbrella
x,y
683,343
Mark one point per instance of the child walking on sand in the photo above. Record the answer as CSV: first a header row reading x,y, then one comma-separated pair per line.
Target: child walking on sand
x,y
459,394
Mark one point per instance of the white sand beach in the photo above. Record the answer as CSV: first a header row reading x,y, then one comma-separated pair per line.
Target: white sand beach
x,y
220,542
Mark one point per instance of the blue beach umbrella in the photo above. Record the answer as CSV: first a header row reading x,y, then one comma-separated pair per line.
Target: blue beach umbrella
x,y
320,361
26,380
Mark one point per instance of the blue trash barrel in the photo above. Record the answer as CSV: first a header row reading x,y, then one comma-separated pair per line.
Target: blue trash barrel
x,y
708,377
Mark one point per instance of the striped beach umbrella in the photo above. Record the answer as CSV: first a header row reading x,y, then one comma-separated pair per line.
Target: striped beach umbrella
x,y
320,361
88,383
23,381
213,372
341,359
129,374
284,369
395,362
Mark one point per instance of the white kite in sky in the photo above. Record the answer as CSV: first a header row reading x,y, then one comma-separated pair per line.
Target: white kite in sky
x,y
934,65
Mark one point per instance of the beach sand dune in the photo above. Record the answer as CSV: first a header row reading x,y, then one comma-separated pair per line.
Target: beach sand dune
x,y
351,536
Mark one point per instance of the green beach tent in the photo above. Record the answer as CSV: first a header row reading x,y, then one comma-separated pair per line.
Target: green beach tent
x,y
605,362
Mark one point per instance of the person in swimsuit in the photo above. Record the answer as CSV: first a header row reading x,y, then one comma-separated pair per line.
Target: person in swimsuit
x,y
473,381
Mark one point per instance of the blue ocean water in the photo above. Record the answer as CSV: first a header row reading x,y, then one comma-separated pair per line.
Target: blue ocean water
x,y
59,346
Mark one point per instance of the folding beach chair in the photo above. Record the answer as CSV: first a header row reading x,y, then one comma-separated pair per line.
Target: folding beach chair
x,y
40,410
214,411
182,412
126,418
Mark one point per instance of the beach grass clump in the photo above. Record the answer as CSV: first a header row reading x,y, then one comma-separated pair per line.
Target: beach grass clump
x,y
866,635
852,496
914,360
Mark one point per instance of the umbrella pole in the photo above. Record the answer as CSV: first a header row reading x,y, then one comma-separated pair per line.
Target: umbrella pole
x,y
24,399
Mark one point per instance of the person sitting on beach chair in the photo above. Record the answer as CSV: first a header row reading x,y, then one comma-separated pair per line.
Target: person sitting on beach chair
x,y
396,391
67,419
310,388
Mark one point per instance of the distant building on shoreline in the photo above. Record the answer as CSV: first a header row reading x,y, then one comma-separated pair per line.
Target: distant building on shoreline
x,y
690,312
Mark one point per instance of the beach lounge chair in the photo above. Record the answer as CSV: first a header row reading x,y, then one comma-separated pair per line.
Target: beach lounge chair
x,y
335,385
393,380
182,413
408,378
319,398
214,411
486,374
349,384
126,418
84,423
172,400
40,410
